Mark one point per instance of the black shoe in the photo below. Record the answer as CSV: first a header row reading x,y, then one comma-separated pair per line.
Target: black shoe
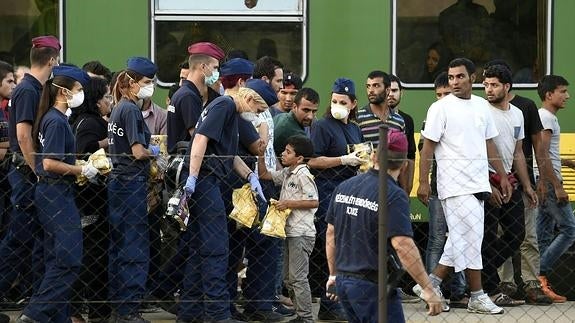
x,y
4,318
149,307
282,309
133,318
263,316
300,320
333,316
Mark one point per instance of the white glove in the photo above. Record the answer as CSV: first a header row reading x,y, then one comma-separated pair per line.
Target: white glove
x,y
351,159
89,171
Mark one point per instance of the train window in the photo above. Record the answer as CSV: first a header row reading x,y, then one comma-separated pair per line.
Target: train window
x,y
23,20
255,27
428,34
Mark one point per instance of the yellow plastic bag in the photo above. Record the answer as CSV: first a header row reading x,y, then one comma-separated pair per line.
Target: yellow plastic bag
x,y
99,160
364,151
274,222
245,210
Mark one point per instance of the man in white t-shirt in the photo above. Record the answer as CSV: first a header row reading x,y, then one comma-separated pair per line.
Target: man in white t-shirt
x,y
459,130
496,249
555,211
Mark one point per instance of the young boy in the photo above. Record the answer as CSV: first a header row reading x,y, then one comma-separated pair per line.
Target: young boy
x,y
298,193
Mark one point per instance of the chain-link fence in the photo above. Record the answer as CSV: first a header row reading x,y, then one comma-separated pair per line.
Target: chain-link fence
x,y
119,242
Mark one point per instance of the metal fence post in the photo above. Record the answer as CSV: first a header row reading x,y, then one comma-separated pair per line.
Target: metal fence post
x,y
382,225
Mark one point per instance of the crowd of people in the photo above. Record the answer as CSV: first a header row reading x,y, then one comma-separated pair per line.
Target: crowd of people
x,y
86,236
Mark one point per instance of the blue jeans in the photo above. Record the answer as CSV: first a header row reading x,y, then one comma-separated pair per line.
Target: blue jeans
x,y
552,215
435,243
60,220
129,252
359,301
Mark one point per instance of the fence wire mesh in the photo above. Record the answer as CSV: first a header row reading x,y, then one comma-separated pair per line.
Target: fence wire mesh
x,y
225,249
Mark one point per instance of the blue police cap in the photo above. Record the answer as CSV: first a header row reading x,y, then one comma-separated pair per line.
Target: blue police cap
x,y
72,72
236,66
264,90
343,86
142,66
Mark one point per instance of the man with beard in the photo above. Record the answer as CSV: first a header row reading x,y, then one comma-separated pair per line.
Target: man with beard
x,y
377,112
393,100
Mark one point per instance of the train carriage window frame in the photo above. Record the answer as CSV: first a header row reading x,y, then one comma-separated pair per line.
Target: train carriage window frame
x,y
412,39
286,19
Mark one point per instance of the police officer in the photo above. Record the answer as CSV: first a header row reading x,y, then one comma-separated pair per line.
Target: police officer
x,y
55,194
17,246
331,137
130,150
209,159
188,101
353,227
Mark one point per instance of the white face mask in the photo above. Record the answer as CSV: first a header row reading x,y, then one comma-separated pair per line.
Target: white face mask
x,y
339,111
145,91
76,100
249,116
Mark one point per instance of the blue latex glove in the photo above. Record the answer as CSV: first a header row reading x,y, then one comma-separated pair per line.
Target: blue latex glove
x,y
155,150
190,186
256,186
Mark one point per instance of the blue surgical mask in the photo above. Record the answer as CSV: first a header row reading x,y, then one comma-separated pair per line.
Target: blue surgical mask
x,y
212,79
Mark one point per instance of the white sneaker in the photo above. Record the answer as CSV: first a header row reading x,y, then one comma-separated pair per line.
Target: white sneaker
x,y
483,305
418,290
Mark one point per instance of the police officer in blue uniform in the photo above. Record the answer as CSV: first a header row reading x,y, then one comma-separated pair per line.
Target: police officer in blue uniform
x,y
21,239
331,137
211,156
130,150
55,196
353,226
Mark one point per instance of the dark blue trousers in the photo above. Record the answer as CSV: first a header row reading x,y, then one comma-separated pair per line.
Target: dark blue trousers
x,y
59,217
359,301
21,249
129,252
205,293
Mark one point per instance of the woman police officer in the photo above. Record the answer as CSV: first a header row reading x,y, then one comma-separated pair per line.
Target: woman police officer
x,y
54,194
130,151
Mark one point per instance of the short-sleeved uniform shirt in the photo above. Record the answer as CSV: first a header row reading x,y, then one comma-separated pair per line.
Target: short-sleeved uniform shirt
x,y
532,125
298,184
286,126
56,142
460,128
369,123
551,123
509,124
218,122
353,211
331,138
25,101
126,128
183,114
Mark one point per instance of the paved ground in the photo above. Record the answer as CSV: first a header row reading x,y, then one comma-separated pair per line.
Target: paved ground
x,y
415,313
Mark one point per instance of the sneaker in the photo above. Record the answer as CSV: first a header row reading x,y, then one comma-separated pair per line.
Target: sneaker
x,y
483,305
458,301
25,319
4,318
406,298
333,316
546,288
417,290
508,288
282,310
149,307
300,320
501,299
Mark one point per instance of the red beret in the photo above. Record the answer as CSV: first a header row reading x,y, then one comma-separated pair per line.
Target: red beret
x,y
206,48
46,41
396,141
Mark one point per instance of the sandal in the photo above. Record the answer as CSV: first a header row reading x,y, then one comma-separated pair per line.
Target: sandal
x,y
501,299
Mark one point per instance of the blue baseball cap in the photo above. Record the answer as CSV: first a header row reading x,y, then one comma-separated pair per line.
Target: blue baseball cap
x,y
264,90
343,86
142,66
237,66
72,72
